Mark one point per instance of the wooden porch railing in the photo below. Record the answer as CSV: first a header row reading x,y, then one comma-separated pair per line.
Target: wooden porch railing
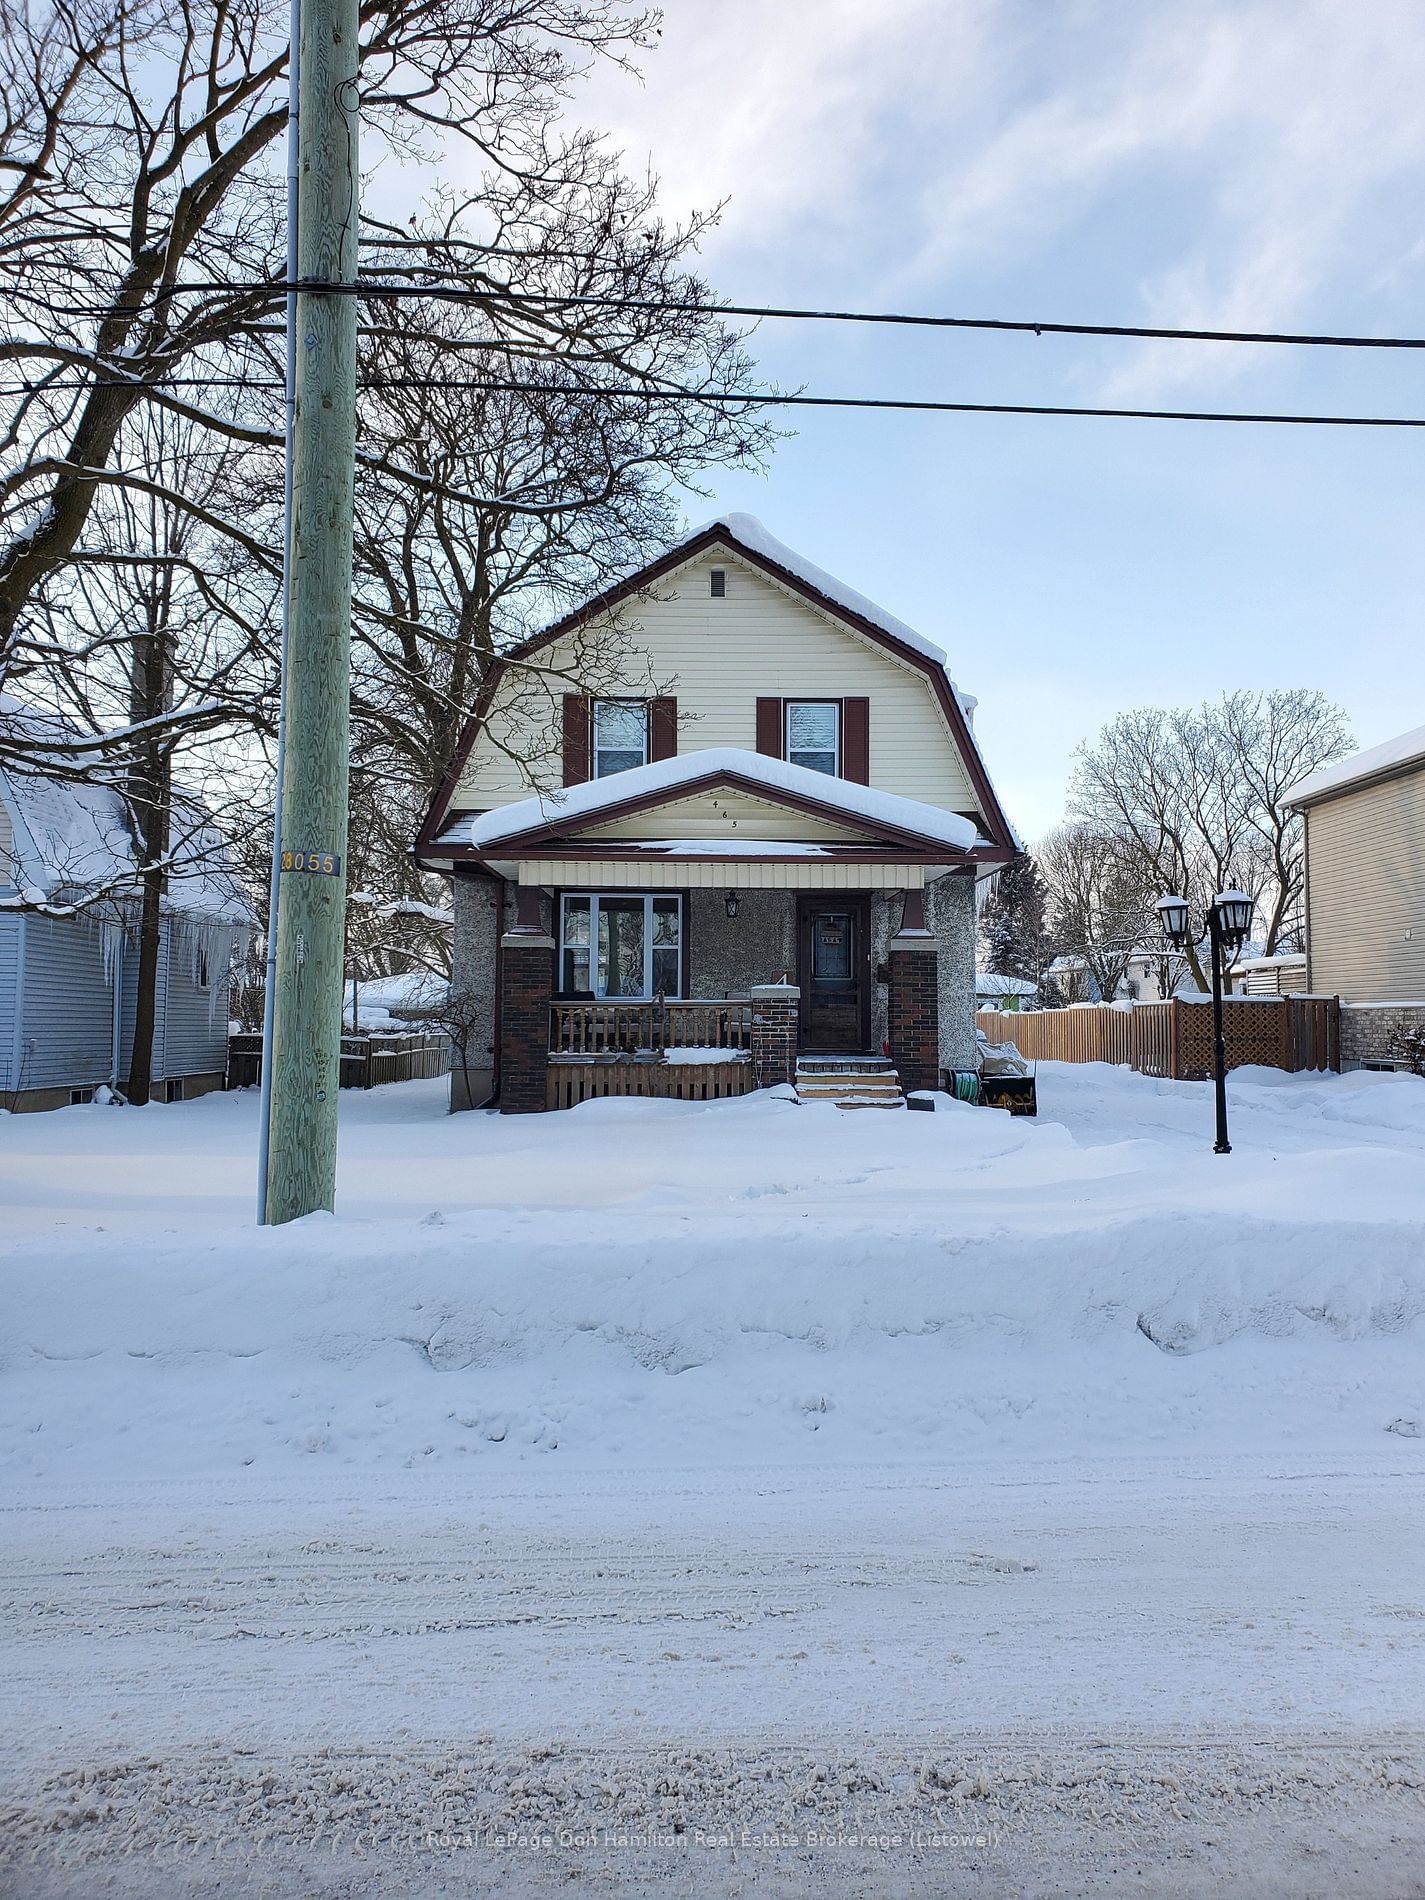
x,y
598,1029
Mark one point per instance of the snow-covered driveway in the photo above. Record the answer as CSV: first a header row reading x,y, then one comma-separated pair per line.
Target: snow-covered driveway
x,y
1027,1509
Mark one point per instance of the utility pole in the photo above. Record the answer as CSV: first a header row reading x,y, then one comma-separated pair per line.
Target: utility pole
x,y
303,1054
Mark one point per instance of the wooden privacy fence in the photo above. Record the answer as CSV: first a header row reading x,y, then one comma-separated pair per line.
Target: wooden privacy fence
x,y
366,1061
1174,1039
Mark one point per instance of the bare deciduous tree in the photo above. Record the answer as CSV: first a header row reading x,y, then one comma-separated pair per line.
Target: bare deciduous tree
x,y
1098,900
1195,796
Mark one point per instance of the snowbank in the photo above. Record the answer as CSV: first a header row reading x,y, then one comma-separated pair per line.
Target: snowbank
x,y
658,1283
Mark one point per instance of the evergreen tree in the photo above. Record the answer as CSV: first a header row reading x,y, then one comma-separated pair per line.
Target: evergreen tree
x,y
1014,939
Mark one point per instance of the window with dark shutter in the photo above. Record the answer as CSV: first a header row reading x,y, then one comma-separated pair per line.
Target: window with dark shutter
x,y
620,736
814,735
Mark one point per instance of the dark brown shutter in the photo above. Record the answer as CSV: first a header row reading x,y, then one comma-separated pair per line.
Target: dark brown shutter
x,y
576,739
769,728
856,741
663,729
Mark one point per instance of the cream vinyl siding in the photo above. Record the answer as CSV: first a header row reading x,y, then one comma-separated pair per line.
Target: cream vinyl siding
x,y
719,657
689,874
1366,872
714,814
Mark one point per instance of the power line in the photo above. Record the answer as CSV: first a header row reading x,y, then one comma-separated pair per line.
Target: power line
x,y
751,399
551,300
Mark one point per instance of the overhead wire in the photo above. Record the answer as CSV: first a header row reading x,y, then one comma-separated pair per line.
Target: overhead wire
x,y
748,399
555,300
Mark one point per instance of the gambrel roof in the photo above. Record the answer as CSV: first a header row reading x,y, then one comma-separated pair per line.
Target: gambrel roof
x,y
745,536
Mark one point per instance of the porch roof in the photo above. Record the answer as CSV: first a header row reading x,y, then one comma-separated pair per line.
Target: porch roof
x,y
864,820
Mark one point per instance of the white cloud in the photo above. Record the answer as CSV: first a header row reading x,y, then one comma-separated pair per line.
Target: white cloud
x,y
1255,154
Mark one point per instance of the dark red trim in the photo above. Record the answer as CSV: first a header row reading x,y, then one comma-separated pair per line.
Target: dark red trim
x,y
856,741
662,729
990,808
718,775
912,912
577,739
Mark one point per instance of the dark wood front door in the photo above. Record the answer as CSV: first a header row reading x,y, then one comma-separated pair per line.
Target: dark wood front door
x,y
834,958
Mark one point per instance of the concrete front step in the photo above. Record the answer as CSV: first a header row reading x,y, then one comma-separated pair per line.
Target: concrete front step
x,y
848,1086
844,1065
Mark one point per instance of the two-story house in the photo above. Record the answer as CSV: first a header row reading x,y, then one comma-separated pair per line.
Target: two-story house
x,y
749,855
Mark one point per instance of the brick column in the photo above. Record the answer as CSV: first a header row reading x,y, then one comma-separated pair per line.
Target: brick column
x,y
913,999
774,1033
526,985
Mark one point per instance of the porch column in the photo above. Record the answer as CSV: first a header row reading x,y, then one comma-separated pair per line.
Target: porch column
x,y
774,1033
913,998
526,986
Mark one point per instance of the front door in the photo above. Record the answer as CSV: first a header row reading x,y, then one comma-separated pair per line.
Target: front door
x,y
832,939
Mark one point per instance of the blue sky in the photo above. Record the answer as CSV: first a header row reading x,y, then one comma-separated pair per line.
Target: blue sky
x,y
1218,163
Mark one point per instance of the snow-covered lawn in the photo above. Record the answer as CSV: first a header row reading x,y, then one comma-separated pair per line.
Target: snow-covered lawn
x,y
658,1467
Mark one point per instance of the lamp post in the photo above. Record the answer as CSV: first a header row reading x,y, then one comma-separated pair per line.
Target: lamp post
x,y
1229,917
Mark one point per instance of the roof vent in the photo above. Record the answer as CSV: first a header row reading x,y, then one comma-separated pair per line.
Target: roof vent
x,y
718,577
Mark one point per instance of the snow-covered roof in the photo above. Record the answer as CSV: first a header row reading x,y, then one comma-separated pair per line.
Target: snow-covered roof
x,y
987,983
71,839
860,803
1406,750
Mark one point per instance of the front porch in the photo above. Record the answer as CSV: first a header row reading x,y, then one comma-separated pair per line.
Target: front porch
x,y
695,927
861,993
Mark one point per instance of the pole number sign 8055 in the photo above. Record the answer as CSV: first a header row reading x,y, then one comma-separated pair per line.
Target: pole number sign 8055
x,y
324,863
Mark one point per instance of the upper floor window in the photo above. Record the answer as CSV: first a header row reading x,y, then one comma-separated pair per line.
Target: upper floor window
x,y
620,736
813,737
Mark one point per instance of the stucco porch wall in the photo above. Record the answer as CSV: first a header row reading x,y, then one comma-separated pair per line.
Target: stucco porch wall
x,y
727,955
950,913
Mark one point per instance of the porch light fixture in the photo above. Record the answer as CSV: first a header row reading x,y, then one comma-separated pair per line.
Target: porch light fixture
x,y
1229,918
732,903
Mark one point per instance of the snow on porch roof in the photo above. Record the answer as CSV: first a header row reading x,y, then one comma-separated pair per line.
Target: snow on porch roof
x,y
670,776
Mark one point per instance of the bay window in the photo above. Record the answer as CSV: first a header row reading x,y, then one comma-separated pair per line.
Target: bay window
x,y
620,945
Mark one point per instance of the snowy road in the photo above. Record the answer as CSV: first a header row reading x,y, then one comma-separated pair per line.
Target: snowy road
x,y
947,1504
1108,1666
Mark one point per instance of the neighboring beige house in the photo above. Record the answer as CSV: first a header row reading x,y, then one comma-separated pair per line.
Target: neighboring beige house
x,y
1365,891
774,812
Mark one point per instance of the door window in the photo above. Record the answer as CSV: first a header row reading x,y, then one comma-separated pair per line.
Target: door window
x,y
831,947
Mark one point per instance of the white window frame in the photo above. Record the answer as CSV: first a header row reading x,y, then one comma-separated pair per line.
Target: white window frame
x,y
788,708
641,705
648,898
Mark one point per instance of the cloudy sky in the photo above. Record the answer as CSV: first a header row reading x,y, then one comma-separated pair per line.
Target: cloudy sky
x,y
1250,164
